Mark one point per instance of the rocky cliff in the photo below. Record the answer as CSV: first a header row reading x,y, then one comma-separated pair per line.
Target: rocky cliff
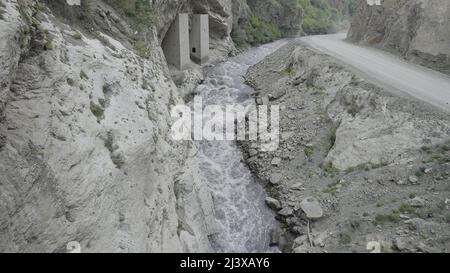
x,y
419,30
85,150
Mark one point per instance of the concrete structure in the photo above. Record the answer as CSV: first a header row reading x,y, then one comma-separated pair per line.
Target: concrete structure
x,y
176,42
199,38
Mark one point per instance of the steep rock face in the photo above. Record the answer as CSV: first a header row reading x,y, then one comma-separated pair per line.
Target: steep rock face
x,y
287,15
86,153
85,147
419,29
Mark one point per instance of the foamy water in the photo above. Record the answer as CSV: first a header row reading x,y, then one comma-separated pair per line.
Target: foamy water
x,y
244,220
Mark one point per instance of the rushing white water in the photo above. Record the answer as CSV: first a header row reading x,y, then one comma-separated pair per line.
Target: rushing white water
x,y
244,220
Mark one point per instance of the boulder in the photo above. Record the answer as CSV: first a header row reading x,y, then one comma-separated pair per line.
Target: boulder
x,y
417,202
273,203
275,178
312,208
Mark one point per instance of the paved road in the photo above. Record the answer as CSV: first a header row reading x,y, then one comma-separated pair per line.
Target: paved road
x,y
386,70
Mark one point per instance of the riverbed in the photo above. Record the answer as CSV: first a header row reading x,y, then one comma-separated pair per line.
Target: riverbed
x,y
244,220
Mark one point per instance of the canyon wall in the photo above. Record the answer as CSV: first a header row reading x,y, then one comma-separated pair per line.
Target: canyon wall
x,y
85,147
86,154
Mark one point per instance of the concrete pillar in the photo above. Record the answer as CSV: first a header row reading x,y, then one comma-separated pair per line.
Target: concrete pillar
x,y
199,38
176,43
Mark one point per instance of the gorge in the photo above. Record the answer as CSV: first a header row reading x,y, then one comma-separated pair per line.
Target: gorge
x,y
86,153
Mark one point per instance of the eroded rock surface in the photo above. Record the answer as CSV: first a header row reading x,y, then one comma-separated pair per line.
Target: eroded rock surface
x,y
86,154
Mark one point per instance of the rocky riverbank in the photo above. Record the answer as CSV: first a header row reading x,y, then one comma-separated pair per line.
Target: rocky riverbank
x,y
356,165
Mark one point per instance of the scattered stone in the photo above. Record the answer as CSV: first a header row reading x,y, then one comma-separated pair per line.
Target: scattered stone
x,y
319,239
297,230
275,178
417,202
414,179
273,203
401,183
297,82
301,249
301,240
275,236
286,212
401,244
252,152
404,217
311,207
428,170
277,94
276,161
297,186
291,116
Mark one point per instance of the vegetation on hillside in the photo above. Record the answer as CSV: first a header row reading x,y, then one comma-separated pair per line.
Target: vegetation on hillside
x,y
142,16
257,31
260,31
320,17
140,10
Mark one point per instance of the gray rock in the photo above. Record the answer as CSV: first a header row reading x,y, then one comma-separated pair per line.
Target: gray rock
x,y
275,178
273,203
302,249
275,236
286,212
312,208
413,179
276,161
297,186
417,202
278,93
301,240
401,182
252,152
401,244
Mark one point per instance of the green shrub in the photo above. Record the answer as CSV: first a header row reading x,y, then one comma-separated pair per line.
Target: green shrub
x,y
382,219
320,17
140,10
259,31
329,170
309,152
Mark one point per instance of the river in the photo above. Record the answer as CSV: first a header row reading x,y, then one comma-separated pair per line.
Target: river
x,y
244,221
